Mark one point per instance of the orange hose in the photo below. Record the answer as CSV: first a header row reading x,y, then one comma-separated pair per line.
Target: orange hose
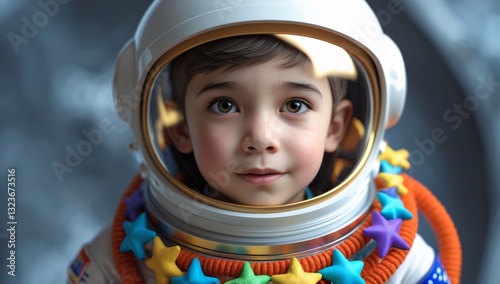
x,y
442,224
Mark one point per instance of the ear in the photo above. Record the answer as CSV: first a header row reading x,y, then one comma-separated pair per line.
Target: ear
x,y
339,125
178,134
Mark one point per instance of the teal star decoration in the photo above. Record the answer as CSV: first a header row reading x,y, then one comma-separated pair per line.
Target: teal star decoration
x,y
137,236
247,276
343,271
386,167
393,207
194,275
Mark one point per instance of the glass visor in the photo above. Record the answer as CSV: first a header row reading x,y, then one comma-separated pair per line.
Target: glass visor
x,y
167,104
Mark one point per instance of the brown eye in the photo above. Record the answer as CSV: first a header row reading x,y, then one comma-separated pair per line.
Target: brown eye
x,y
295,106
223,106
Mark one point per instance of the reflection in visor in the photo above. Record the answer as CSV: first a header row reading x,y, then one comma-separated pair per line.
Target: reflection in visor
x,y
336,167
327,59
167,116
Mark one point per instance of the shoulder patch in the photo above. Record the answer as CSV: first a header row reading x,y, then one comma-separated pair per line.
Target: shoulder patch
x,y
77,270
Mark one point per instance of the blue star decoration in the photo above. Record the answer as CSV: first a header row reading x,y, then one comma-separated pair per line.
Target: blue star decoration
x,y
134,204
393,207
137,236
343,271
385,233
194,275
386,167
247,276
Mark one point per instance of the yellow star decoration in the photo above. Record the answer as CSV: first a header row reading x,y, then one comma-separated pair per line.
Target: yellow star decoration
x,y
392,180
396,158
163,261
296,275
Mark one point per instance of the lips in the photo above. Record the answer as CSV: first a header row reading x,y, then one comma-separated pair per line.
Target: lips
x,y
260,176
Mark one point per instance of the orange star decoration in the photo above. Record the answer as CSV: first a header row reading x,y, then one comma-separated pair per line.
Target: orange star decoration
x,y
396,158
296,275
392,180
163,261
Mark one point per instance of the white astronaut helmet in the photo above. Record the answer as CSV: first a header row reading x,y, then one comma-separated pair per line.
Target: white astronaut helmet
x,y
374,68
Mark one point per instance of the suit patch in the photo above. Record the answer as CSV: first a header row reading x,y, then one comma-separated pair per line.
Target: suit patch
x,y
77,270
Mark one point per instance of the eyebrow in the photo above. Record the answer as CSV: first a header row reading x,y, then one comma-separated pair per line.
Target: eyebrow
x,y
300,86
283,85
216,86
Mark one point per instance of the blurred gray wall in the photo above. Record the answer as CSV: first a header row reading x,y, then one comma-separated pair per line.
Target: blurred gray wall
x,y
56,86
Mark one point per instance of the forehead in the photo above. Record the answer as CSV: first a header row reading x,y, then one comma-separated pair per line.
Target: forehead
x,y
281,63
275,68
232,53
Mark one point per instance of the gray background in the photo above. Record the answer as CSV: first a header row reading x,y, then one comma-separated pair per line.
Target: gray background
x,y
58,84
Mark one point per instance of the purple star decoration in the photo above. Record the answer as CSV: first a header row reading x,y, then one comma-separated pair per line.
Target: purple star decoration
x,y
391,191
134,204
385,233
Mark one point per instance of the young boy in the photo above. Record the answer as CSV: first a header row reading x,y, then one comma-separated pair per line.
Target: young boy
x,y
257,114
248,188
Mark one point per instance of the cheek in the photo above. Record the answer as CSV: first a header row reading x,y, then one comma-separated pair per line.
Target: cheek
x,y
308,152
211,152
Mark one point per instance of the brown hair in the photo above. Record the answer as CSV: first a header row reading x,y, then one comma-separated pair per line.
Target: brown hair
x,y
234,53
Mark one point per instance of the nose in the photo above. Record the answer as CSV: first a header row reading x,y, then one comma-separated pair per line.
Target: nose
x,y
261,136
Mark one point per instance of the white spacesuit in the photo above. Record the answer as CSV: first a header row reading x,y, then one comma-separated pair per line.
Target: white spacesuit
x,y
363,229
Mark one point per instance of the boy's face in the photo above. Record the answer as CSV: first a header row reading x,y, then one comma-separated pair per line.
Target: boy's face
x,y
259,133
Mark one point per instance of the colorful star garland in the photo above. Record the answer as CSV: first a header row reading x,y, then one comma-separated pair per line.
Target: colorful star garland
x,y
194,275
296,275
247,276
391,191
343,271
397,158
385,233
392,180
163,261
386,167
384,230
137,236
393,207
135,203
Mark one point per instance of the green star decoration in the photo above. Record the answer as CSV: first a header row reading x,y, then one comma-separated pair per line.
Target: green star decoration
x,y
247,276
343,271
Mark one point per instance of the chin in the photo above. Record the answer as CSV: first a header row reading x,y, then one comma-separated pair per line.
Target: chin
x,y
265,201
